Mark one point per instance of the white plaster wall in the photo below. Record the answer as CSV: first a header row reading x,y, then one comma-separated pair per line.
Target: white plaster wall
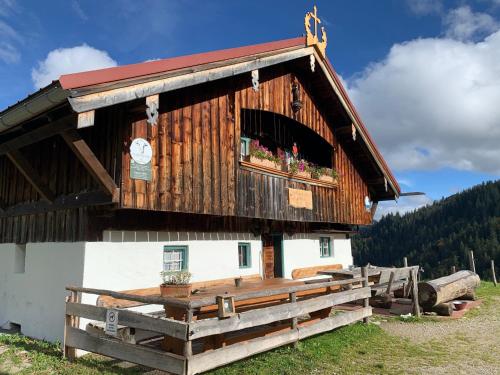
x,y
35,299
302,250
132,265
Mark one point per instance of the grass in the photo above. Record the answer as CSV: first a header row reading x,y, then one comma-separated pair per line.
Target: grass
x,y
354,349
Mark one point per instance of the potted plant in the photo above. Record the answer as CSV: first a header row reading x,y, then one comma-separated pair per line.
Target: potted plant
x,y
175,284
260,155
329,175
316,171
299,168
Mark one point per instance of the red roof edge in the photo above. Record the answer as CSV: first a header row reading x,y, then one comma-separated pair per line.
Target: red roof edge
x,y
362,125
95,77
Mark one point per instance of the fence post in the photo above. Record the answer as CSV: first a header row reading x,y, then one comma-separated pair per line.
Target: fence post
x,y
366,301
414,292
188,344
453,269
493,272
70,321
471,261
293,299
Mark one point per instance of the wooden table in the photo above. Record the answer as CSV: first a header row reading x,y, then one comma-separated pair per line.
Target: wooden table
x,y
350,274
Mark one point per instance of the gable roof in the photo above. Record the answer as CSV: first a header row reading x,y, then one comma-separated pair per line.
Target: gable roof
x,y
153,77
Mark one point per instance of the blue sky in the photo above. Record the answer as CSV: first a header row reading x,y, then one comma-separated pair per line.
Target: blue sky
x,y
422,73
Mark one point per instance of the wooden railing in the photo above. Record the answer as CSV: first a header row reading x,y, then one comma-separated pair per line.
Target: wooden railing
x,y
242,335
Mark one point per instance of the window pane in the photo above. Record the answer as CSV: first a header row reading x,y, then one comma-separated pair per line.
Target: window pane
x,y
244,255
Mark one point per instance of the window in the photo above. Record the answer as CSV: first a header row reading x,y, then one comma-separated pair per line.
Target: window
x,y
244,255
325,247
175,258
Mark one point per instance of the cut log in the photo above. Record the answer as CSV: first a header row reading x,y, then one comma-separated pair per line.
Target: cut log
x,y
444,289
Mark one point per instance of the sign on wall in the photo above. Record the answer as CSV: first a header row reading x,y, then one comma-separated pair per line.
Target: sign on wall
x,y
300,198
140,162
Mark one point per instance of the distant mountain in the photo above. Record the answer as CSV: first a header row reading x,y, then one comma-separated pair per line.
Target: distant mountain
x,y
438,236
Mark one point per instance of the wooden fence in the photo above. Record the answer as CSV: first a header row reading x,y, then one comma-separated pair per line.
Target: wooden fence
x,y
254,330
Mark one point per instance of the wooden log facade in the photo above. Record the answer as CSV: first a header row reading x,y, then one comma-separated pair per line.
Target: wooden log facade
x,y
195,166
196,153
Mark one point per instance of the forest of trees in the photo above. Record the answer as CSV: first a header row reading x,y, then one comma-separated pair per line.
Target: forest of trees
x,y
438,236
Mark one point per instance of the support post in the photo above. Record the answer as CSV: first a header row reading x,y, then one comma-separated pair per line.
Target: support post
x,y
493,272
366,301
91,163
453,269
472,264
188,344
414,292
70,321
293,299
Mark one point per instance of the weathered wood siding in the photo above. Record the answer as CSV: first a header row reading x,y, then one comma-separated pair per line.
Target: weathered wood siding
x,y
59,169
196,156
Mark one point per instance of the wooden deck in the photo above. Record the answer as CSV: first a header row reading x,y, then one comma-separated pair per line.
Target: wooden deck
x,y
195,338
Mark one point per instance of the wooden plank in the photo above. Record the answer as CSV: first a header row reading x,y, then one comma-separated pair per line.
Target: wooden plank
x,y
86,119
300,273
193,76
338,320
141,355
207,301
153,300
43,132
31,175
170,327
257,317
216,358
91,163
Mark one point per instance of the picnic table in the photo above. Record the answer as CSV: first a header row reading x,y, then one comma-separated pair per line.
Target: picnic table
x,y
352,273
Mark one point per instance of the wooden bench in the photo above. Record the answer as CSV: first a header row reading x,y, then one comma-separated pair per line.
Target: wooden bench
x,y
110,302
305,272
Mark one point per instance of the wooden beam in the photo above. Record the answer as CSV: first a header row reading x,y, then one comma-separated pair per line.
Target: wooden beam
x,y
86,101
86,119
24,166
38,134
93,198
91,163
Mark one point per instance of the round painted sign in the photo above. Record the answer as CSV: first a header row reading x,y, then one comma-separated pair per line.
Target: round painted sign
x,y
141,151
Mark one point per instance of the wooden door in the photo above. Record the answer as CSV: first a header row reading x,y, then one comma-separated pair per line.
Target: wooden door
x,y
268,257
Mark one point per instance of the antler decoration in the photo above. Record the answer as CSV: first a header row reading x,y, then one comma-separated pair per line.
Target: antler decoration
x,y
312,39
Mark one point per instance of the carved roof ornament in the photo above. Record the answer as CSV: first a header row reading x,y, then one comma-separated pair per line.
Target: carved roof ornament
x,y
312,39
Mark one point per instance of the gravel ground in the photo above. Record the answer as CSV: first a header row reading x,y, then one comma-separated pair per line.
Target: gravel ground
x,y
472,343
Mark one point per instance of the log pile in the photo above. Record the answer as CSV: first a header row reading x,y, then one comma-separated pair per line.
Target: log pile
x,y
434,294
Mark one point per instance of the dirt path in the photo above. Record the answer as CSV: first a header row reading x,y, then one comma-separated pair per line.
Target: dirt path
x,y
471,344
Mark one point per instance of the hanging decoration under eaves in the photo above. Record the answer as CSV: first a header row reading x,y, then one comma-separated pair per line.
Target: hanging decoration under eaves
x,y
312,39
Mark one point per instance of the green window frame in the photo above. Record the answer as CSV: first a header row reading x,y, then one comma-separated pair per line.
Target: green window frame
x,y
244,255
175,258
325,247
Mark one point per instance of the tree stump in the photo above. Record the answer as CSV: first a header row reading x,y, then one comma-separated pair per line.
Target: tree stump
x,y
444,289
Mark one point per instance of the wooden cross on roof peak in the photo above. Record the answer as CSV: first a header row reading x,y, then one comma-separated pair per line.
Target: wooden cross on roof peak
x,y
312,39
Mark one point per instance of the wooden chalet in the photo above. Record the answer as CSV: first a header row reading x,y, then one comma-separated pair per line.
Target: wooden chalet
x,y
250,161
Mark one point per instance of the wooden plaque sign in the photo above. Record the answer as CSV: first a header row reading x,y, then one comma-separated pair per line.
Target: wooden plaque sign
x,y
300,198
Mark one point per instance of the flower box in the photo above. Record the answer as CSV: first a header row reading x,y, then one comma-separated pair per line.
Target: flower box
x,y
327,178
178,291
304,174
264,163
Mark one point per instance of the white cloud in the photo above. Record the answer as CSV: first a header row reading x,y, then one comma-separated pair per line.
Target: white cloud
x,y
8,53
6,7
425,7
464,24
434,103
9,37
69,60
404,205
